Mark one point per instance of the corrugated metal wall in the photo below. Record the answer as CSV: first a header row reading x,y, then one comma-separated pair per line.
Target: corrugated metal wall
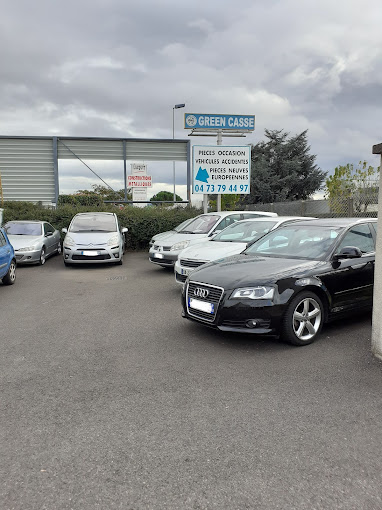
x,y
27,169
138,150
90,149
156,151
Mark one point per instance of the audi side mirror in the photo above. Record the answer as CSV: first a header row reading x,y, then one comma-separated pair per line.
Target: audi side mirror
x,y
348,252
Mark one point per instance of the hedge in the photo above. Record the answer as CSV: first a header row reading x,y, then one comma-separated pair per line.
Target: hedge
x,y
142,223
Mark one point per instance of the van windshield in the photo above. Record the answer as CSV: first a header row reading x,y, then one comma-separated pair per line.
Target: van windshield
x,y
93,223
201,224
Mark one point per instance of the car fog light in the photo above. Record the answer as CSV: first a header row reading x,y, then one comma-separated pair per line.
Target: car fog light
x,y
251,323
116,255
66,256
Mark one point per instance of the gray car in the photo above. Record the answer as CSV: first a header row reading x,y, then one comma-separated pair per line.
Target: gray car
x,y
94,237
33,241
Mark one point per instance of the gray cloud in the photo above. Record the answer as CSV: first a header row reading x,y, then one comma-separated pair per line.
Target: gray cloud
x,y
96,68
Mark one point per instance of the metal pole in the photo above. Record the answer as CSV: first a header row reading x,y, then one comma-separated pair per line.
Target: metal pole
x,y
173,136
55,169
189,173
124,167
1,194
205,204
219,197
376,338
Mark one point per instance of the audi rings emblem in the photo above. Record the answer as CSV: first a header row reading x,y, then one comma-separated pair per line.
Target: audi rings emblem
x,y
199,292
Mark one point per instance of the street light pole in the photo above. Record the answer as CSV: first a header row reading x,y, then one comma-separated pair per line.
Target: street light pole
x,y
173,136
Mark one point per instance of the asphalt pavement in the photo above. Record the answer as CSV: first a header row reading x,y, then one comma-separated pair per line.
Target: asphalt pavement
x,y
111,400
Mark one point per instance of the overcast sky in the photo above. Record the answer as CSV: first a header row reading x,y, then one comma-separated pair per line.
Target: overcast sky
x,y
117,67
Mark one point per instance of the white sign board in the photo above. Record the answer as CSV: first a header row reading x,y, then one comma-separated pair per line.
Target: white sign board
x,y
139,181
140,195
221,169
138,169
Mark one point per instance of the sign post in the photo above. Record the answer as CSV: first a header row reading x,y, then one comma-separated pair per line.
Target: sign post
x,y
376,338
139,181
219,125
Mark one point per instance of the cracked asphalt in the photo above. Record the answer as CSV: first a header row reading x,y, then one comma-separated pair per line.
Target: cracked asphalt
x,y
110,400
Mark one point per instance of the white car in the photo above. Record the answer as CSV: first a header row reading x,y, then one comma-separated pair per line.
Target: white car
x,y
166,249
178,228
94,237
231,241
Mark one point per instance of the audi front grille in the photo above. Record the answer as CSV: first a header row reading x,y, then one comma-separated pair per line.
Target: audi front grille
x,y
206,293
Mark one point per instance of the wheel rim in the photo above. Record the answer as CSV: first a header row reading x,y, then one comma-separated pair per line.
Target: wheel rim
x,y
12,272
42,256
307,318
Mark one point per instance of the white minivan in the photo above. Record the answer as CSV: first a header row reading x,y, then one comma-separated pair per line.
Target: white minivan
x,y
165,249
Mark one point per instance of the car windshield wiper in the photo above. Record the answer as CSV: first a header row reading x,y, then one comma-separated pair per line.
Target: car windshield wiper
x,y
88,230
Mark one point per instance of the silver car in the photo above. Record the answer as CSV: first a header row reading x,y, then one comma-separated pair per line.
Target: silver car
x,y
94,237
33,241
165,250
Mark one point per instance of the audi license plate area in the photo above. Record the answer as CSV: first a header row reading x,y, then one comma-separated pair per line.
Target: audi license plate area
x,y
201,305
90,253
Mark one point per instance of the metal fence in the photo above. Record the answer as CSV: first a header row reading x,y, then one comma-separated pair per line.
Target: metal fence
x,y
358,205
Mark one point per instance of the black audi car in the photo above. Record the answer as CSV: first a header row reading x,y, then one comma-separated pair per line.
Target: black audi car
x,y
288,283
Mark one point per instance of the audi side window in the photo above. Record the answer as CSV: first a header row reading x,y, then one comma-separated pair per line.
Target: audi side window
x,y
359,236
373,228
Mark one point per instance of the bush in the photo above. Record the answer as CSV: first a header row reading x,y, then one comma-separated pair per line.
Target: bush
x,y
142,223
92,200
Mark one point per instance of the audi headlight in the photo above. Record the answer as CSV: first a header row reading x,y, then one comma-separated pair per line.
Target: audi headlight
x,y
180,246
113,240
69,241
253,293
28,248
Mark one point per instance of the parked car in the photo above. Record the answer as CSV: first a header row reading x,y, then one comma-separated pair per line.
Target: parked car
x,y
94,237
7,260
230,241
178,228
289,282
166,249
33,241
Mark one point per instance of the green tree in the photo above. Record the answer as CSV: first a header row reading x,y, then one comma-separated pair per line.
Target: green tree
x,y
228,202
358,183
105,193
282,169
165,196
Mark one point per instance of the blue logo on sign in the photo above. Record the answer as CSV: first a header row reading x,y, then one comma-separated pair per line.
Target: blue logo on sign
x,y
202,175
